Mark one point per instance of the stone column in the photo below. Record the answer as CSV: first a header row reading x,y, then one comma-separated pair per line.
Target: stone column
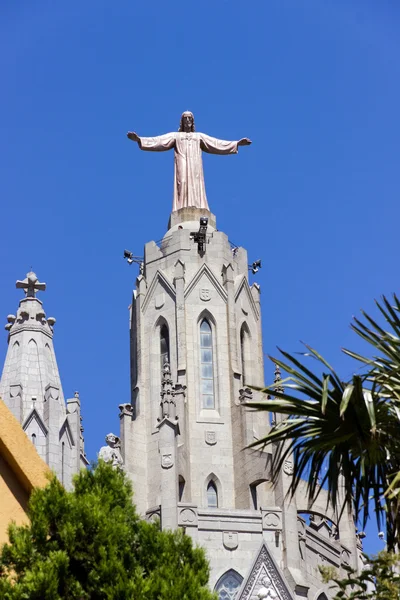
x,y
169,429
179,281
255,292
290,534
346,526
74,419
52,421
229,284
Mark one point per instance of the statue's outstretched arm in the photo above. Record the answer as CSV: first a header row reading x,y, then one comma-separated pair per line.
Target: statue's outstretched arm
x,y
215,146
159,143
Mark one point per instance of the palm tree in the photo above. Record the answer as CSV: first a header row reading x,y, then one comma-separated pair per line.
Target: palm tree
x,y
344,430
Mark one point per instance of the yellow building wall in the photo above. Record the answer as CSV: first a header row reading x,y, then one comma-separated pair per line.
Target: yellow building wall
x,y
13,500
21,469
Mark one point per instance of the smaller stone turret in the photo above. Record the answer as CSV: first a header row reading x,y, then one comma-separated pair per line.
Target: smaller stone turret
x,y
31,386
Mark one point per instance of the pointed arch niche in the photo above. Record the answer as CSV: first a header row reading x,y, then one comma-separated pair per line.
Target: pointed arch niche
x,y
228,585
212,492
245,354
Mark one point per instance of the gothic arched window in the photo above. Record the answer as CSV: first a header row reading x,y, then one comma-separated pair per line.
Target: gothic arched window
x,y
164,345
206,366
228,585
212,495
33,438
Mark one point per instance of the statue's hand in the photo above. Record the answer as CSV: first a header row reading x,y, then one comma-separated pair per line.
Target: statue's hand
x,y
244,142
133,136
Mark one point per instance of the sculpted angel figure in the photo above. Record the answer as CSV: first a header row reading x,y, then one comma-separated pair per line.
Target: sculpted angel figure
x,y
189,187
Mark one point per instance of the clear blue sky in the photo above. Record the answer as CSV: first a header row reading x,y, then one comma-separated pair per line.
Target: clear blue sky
x,y
314,83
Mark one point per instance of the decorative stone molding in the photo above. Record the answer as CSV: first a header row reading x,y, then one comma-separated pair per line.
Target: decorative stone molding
x,y
187,517
125,410
52,392
265,580
288,467
167,404
245,394
15,390
272,519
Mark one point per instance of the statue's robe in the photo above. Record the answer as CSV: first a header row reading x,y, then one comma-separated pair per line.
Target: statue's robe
x,y
189,187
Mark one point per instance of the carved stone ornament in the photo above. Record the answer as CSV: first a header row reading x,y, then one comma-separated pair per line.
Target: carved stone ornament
x,y
288,466
166,461
111,453
345,557
211,437
230,540
125,409
205,294
188,517
271,520
265,580
159,300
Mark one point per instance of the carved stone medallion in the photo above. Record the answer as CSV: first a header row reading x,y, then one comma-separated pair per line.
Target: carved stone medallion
x,y
188,517
205,294
166,461
230,540
211,437
271,520
159,300
288,466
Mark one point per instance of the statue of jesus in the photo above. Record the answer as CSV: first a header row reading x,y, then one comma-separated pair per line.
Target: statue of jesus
x,y
189,188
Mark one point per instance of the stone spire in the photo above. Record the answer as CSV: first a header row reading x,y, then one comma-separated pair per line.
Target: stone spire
x,y
31,387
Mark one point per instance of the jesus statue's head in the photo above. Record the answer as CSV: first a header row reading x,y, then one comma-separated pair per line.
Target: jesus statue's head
x,y
187,122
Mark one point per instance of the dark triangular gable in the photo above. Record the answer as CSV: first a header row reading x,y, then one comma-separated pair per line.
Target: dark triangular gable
x,y
66,429
34,416
265,568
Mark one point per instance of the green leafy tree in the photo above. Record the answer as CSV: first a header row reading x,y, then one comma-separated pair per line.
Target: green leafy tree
x,y
380,580
90,543
345,431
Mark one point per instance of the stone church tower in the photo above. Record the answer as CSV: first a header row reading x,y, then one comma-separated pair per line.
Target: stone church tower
x,y
196,347
31,387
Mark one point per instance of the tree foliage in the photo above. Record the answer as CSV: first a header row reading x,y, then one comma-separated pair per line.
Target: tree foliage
x,y
344,435
90,543
380,579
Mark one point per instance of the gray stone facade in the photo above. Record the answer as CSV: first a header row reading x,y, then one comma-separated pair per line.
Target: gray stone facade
x,y
31,387
183,437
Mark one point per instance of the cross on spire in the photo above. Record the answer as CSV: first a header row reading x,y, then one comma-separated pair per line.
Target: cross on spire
x,y
31,285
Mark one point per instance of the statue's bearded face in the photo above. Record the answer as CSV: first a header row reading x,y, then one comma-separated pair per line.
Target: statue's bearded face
x,y
187,122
